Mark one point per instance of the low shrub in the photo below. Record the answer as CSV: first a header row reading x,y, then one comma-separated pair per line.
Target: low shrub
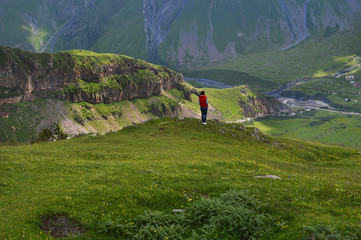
x,y
324,232
48,134
162,106
234,215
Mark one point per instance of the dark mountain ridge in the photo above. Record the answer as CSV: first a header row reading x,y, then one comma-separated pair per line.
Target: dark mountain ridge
x,y
183,34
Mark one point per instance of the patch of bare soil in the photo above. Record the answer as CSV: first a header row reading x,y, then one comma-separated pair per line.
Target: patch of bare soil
x,y
60,226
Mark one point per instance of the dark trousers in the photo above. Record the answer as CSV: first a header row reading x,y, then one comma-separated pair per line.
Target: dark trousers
x,y
204,113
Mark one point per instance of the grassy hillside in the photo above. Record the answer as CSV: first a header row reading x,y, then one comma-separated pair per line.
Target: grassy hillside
x,y
315,57
105,183
315,126
340,93
26,119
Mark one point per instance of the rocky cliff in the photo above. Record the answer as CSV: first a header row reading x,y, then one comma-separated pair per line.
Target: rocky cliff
x,y
259,105
80,76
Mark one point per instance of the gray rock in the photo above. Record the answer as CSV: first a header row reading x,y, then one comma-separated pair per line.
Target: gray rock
x,y
178,210
268,176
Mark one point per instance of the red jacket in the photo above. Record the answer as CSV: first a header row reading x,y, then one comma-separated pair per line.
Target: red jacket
x,y
203,101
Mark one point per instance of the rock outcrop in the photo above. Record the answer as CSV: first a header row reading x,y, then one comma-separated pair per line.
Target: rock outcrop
x,y
261,105
80,76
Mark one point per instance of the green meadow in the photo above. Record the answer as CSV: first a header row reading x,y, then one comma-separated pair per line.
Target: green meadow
x,y
335,90
314,126
266,70
126,184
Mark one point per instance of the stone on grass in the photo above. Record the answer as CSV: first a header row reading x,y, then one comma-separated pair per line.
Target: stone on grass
x,y
178,210
268,176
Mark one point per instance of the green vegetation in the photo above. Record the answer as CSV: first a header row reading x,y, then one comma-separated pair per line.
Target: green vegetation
x,y
55,133
24,35
41,23
114,116
122,71
235,215
162,106
110,181
234,78
23,119
9,92
227,101
124,17
337,92
272,67
323,232
198,85
316,126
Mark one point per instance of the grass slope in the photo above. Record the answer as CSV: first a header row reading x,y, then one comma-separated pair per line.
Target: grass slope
x,y
315,57
315,126
25,117
168,164
332,90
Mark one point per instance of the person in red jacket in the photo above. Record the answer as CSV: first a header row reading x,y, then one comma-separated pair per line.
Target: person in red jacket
x,y
203,102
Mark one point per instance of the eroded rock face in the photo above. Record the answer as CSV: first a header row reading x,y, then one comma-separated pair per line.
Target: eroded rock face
x,y
29,76
158,17
261,106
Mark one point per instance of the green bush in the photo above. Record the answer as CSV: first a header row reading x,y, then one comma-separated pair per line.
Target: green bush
x,y
86,111
59,133
48,134
177,93
234,215
323,232
45,135
161,105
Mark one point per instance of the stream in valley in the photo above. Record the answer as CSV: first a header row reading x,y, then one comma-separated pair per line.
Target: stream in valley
x,y
208,82
291,102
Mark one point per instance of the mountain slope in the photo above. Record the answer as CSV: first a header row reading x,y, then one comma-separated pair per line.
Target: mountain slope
x,y
183,34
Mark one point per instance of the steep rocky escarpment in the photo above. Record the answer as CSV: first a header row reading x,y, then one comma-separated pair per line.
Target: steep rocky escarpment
x,y
80,76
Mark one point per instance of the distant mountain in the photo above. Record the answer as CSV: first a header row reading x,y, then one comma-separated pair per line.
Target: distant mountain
x,y
179,33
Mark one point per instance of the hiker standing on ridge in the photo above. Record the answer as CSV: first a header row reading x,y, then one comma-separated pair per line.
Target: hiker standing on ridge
x,y
203,102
